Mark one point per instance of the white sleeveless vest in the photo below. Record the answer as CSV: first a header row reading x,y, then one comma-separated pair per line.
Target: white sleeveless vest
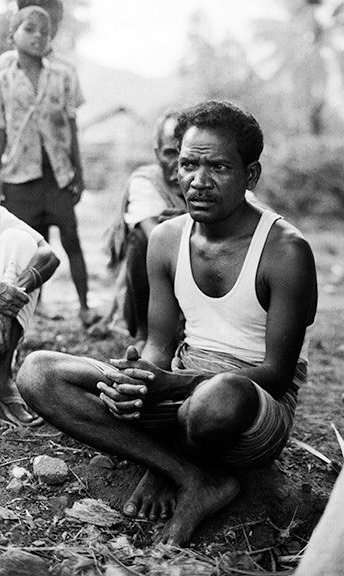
x,y
236,322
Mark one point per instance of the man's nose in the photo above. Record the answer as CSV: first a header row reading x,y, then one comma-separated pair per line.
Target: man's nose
x,y
202,178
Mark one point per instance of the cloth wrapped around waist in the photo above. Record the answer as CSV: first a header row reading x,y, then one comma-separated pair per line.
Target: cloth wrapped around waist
x,y
189,360
195,360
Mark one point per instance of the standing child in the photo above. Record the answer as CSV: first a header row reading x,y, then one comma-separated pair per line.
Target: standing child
x,y
54,8
40,162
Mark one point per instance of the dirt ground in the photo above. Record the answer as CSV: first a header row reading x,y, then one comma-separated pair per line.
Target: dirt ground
x,y
269,523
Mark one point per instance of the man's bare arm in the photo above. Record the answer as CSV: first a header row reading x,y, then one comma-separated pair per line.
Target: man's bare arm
x,y
2,149
40,269
76,162
293,298
149,378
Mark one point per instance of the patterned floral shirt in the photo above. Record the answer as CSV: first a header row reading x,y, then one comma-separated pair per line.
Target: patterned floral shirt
x,y
32,120
78,97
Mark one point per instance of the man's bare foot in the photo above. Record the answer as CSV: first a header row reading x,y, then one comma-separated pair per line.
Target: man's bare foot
x,y
200,497
13,407
154,497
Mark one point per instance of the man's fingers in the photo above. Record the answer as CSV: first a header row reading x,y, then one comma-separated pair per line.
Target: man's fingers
x,y
132,353
128,376
121,376
110,392
120,393
132,390
129,406
111,405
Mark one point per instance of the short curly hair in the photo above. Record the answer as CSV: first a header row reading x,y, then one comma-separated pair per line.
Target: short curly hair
x,y
223,116
48,5
53,7
19,17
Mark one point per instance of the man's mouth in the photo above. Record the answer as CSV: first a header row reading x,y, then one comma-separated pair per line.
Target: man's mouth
x,y
200,204
200,200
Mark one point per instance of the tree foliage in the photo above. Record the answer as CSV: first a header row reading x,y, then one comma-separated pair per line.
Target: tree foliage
x,y
305,60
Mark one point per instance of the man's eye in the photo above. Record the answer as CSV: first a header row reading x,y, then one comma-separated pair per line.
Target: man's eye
x,y
220,168
187,164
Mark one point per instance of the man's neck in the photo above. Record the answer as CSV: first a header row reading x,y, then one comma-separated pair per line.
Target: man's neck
x,y
242,221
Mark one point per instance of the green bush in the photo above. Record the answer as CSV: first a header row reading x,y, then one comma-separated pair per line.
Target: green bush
x,y
305,176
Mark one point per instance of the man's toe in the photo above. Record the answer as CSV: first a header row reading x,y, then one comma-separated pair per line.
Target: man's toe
x,y
130,509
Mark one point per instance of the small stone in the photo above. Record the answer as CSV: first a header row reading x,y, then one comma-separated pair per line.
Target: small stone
x,y
101,461
21,563
58,503
50,470
293,547
20,473
3,540
38,543
282,493
306,488
15,485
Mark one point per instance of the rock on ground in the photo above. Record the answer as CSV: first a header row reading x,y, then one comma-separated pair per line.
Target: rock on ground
x,y
50,470
15,562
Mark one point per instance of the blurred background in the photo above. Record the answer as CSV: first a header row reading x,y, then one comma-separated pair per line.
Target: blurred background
x,y
282,59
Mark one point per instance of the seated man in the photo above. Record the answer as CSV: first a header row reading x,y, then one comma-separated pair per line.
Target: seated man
x,y
26,262
152,195
245,281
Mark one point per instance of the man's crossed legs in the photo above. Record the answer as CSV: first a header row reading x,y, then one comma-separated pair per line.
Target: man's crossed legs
x,y
187,471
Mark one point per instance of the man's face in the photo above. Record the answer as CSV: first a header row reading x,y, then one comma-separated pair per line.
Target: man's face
x,y
167,153
33,35
212,175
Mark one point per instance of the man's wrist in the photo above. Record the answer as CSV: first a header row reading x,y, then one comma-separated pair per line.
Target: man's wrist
x,y
36,273
174,386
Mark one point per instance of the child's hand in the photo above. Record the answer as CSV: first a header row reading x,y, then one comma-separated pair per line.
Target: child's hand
x,y
2,194
79,187
76,188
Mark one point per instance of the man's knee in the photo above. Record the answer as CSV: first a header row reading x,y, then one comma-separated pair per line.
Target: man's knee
x,y
220,408
33,375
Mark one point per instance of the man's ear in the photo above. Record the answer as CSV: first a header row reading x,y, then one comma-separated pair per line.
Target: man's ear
x,y
253,172
156,152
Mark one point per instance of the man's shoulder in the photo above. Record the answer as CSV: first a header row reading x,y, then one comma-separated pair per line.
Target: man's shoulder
x,y
149,171
286,246
171,229
164,241
7,218
284,232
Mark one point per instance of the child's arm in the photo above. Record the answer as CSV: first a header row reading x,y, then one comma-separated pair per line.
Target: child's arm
x,y
2,149
76,161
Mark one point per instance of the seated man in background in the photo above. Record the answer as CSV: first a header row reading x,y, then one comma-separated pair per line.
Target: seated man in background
x,y
26,262
245,282
152,195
